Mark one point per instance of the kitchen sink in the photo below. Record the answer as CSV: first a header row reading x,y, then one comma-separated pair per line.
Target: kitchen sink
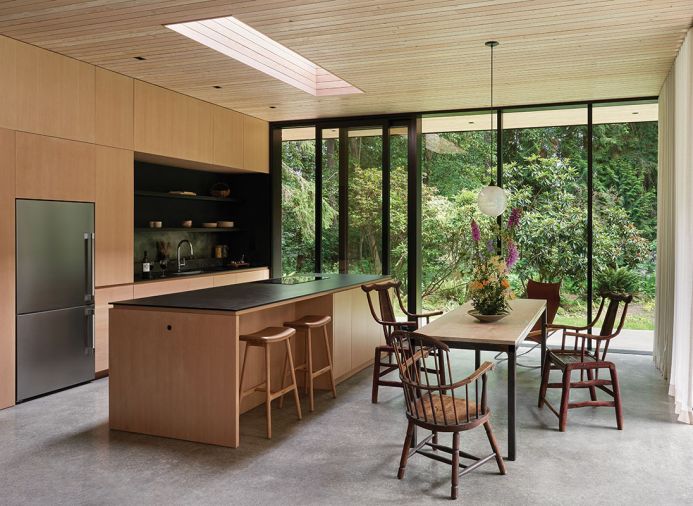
x,y
184,273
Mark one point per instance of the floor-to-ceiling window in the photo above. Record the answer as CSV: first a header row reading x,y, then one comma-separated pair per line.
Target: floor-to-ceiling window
x,y
625,212
298,200
545,165
364,200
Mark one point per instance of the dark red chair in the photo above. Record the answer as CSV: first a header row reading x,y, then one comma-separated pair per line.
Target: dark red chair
x,y
551,293
578,357
388,321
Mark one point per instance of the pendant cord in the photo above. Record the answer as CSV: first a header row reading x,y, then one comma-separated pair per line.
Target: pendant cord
x,y
492,136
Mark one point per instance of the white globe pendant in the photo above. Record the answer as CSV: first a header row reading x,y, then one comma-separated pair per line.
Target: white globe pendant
x,y
492,201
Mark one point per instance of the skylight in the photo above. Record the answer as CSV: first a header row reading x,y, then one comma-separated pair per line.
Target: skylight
x,y
239,41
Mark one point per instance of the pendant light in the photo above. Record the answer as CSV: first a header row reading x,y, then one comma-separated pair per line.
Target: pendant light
x,y
492,200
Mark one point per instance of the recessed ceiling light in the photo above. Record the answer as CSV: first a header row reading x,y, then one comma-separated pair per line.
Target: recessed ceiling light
x,y
140,58
272,106
636,112
239,41
471,122
217,86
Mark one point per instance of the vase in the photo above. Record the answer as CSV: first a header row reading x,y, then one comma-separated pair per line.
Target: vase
x,y
486,318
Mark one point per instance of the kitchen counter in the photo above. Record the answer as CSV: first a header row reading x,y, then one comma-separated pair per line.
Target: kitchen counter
x,y
250,295
175,360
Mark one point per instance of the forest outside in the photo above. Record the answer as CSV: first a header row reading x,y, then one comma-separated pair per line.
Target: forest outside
x,y
545,174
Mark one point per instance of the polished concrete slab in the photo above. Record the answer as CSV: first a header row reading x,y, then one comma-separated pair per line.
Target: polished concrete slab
x,y
59,450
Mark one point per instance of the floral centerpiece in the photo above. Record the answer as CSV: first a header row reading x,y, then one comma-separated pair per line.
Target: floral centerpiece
x,y
490,289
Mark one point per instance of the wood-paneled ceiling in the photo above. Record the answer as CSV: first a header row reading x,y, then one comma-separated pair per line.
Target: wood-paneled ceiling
x,y
406,55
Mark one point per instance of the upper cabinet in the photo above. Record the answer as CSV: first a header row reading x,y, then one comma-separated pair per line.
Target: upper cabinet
x,y
56,96
228,137
255,144
170,124
8,83
54,169
114,109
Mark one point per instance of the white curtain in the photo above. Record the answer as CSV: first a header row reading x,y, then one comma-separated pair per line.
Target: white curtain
x,y
674,326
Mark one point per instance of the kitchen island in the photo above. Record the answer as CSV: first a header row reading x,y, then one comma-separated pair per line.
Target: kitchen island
x,y
175,359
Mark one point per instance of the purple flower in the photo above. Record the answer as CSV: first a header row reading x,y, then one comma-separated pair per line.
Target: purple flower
x,y
514,218
513,255
476,233
490,247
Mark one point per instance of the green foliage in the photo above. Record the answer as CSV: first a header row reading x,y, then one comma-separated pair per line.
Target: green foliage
x,y
620,280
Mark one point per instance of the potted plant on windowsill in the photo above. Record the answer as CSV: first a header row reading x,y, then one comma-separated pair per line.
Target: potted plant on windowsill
x,y
490,289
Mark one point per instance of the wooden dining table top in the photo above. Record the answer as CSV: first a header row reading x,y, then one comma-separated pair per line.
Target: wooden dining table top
x,y
458,326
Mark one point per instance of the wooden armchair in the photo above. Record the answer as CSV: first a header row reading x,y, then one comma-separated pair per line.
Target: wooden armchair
x,y
386,318
433,405
578,357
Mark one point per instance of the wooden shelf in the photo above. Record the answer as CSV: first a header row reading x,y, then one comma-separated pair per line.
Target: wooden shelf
x,y
164,195
182,229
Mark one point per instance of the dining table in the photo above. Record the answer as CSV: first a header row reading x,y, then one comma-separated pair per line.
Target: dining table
x,y
458,329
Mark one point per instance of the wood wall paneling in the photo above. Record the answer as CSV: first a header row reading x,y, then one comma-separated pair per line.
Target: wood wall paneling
x,y
228,138
54,169
234,278
114,105
255,144
7,268
8,83
103,299
55,94
114,216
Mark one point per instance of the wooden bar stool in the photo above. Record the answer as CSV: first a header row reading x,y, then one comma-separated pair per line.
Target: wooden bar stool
x,y
263,338
307,324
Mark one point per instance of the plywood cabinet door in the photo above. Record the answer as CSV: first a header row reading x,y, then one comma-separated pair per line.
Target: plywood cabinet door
x,y
114,109
255,145
8,83
341,332
104,298
55,169
7,268
114,216
234,278
173,286
56,95
228,138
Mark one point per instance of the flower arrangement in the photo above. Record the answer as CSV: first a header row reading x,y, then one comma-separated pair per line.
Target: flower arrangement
x,y
490,289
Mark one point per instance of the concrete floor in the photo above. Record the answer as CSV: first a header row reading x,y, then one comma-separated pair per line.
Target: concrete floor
x,y
58,450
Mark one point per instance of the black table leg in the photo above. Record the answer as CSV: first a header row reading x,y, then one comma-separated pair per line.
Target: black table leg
x,y
511,403
543,338
477,358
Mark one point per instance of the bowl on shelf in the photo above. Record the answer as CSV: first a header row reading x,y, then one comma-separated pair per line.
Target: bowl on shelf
x,y
209,225
155,224
225,224
186,224
220,190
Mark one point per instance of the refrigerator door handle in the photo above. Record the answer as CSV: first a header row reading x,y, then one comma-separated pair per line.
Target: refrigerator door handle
x,y
89,267
89,334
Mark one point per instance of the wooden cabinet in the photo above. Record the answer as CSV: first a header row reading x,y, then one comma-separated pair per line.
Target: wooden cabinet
x,y
103,302
153,288
228,138
7,268
341,332
114,104
170,124
234,278
55,94
255,144
54,169
114,216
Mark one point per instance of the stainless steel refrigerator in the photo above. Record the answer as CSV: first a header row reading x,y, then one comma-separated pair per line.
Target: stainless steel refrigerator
x,y
55,295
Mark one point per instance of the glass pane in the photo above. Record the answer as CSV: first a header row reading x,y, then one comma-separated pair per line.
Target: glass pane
x,y
364,235
458,160
625,213
330,200
298,200
398,208
545,174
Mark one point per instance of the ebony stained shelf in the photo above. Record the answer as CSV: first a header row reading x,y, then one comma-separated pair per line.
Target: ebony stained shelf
x,y
190,229
164,195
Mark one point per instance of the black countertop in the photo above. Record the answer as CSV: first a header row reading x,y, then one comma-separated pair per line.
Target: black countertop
x,y
250,295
